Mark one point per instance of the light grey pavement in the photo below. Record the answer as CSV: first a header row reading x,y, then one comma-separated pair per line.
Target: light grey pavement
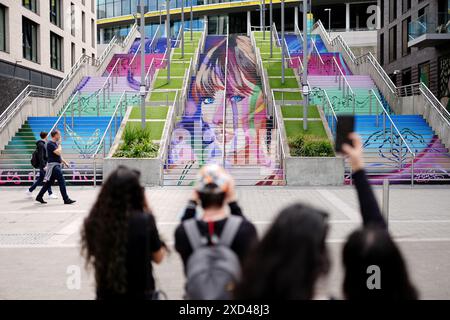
x,y
39,244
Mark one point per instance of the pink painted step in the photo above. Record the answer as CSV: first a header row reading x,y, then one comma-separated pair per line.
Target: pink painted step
x,y
96,83
125,60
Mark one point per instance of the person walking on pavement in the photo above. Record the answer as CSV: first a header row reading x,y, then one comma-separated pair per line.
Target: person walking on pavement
x,y
41,149
54,168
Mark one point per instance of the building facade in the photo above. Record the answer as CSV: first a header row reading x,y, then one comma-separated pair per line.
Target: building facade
x,y
414,43
40,40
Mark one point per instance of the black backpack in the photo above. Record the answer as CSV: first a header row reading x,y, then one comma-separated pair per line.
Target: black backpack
x,y
35,161
212,271
35,158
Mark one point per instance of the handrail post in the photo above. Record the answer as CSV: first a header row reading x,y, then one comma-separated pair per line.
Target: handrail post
x,y
412,170
370,103
95,172
98,104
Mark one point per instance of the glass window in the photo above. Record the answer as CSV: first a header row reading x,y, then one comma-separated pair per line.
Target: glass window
x,y
392,44
381,55
83,26
406,5
392,10
405,37
2,28
55,12
72,19
29,39
55,51
30,4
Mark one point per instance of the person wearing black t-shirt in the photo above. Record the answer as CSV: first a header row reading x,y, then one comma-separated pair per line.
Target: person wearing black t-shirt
x,y
54,169
120,239
215,189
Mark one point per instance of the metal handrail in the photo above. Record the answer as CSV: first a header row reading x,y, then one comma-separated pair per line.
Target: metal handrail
x,y
275,34
286,49
134,56
106,52
30,90
381,72
344,77
177,39
102,140
445,114
225,100
111,73
186,79
277,117
64,111
205,33
127,39
168,128
392,122
64,82
154,41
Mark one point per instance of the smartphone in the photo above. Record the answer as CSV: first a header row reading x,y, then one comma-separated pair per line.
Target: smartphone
x,y
345,126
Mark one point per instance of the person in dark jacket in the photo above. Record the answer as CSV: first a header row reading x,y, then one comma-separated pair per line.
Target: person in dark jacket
x,y
41,146
373,263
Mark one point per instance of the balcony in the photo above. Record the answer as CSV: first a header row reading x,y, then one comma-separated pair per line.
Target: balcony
x,y
429,32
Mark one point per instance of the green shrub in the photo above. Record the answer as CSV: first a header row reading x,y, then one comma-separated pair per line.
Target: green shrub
x,y
310,146
137,144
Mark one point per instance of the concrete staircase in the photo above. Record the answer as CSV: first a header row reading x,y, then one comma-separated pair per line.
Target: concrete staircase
x,y
400,148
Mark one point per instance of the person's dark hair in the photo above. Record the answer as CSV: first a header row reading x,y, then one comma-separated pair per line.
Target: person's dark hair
x,y
289,259
54,133
373,246
43,134
210,197
105,230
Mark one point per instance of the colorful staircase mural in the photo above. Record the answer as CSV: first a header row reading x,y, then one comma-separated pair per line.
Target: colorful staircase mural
x,y
239,136
386,154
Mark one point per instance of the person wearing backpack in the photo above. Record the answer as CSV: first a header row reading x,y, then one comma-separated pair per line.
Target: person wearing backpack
x,y
214,244
39,161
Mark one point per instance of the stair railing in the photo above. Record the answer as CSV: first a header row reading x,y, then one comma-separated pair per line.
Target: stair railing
x,y
329,112
131,64
320,63
434,102
106,52
280,133
130,35
16,105
204,35
185,88
155,39
394,130
276,36
224,106
110,132
166,138
347,91
68,78
198,49
107,87
63,115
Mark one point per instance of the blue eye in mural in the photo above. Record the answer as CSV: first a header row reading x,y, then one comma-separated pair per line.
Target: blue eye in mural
x,y
208,100
236,99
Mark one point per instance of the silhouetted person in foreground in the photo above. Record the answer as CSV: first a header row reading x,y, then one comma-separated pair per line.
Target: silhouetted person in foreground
x,y
213,241
120,239
292,256
371,250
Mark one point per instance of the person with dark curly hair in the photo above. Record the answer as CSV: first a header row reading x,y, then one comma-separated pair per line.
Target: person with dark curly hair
x,y
120,239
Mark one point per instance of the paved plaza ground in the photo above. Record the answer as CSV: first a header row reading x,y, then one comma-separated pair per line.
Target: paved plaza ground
x,y
39,244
